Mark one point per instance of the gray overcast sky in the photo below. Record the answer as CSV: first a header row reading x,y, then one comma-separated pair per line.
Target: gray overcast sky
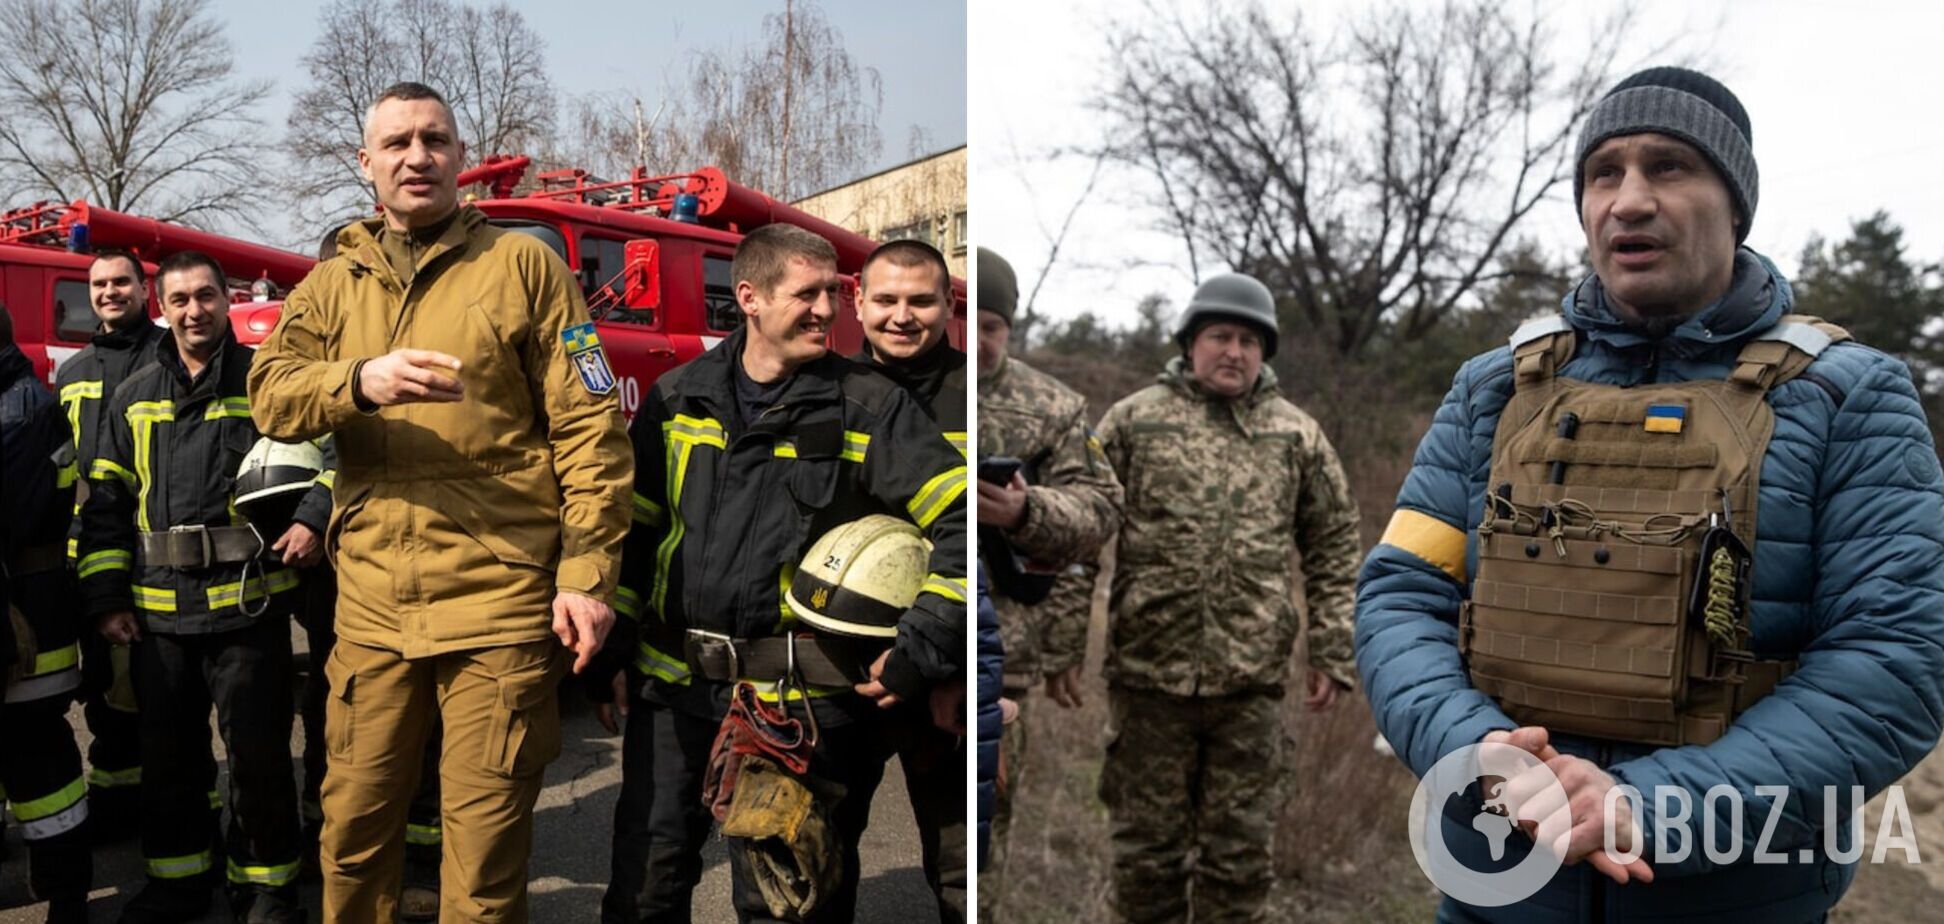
x,y
918,50
1842,98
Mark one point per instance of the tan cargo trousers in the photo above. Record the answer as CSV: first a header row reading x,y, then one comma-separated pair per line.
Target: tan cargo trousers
x,y
502,727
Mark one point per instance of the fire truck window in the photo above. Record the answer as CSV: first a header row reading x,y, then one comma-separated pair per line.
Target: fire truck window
x,y
74,319
719,294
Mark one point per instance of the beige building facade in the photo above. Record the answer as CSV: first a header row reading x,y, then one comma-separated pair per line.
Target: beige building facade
x,y
923,199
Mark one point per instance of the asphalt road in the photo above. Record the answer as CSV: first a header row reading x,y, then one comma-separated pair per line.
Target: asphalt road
x,y
570,852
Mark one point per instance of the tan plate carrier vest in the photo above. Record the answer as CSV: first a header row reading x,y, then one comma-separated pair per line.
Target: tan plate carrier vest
x,y
1580,619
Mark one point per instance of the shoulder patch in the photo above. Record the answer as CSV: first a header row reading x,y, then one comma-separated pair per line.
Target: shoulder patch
x,y
590,361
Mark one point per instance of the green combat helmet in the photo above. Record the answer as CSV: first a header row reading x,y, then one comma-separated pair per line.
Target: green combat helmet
x,y
1231,297
861,577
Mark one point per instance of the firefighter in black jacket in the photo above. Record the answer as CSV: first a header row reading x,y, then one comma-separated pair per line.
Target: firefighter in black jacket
x,y
125,342
904,303
161,538
40,768
744,457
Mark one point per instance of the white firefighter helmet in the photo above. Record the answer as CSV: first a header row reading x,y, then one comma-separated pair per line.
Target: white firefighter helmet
x,y
859,578
273,478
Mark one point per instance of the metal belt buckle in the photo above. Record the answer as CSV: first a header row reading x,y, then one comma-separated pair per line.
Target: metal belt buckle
x,y
704,636
202,535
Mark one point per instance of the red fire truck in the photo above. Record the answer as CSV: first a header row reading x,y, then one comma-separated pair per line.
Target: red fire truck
x,y
652,254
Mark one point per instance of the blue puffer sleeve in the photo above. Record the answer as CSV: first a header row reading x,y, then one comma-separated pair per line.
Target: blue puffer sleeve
x,y
1865,702
991,675
1412,583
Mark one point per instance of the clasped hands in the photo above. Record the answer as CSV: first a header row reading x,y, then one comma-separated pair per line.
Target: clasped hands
x,y
1570,819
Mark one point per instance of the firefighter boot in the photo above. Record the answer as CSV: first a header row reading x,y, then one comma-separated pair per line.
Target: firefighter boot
x,y
68,909
270,907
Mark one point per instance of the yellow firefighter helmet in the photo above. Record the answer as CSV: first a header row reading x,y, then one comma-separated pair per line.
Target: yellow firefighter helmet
x,y
859,578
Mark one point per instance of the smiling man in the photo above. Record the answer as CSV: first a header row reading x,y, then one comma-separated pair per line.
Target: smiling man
x,y
1225,482
1539,574
122,346
481,500
904,303
747,455
204,604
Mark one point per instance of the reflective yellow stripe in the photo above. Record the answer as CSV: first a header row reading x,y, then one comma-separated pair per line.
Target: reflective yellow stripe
x,y
155,599
784,576
66,476
957,439
855,445
57,801
1429,538
950,588
681,435
279,875
76,391
327,478
655,663
766,691
194,864
60,659
232,594
648,512
937,494
784,449
228,407
105,469
106,560
627,603
215,799
142,418
74,546
424,835
112,779
705,430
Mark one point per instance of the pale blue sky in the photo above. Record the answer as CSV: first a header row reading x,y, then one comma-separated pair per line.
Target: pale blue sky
x,y
635,46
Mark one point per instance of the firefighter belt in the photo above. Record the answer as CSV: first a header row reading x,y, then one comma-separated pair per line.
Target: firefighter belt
x,y
812,658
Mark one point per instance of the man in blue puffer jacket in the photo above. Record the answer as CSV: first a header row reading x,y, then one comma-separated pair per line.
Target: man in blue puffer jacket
x,y
992,665
1848,550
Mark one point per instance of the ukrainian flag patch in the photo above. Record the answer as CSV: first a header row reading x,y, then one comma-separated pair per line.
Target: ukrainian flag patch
x,y
1666,418
590,361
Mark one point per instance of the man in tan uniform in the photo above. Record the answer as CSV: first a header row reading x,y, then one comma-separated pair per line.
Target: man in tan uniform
x,y
482,495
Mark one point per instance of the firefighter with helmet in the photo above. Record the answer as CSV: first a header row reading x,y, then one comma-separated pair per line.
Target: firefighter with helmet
x,y
168,565
745,456
1226,481
40,768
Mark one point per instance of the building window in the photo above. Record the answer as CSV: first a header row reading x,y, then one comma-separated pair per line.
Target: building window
x,y
958,232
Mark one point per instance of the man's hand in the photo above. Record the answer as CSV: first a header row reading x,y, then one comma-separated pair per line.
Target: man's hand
x,y
299,545
1321,691
613,714
1570,818
582,623
1008,711
948,706
406,376
875,689
1064,687
120,628
1003,506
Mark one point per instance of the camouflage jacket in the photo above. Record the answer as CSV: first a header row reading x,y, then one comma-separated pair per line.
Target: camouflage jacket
x,y
1220,493
1072,506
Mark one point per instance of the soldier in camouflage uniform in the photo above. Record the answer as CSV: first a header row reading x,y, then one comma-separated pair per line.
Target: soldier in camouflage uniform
x,y
1224,480
1062,517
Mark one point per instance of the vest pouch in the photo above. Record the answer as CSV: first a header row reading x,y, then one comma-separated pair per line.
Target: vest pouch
x,y
1586,636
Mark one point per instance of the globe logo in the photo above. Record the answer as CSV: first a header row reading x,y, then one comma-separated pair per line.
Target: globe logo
x,y
1493,764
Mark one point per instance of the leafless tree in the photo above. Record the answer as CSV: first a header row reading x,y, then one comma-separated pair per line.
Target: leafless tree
x,y
791,115
488,63
130,104
1372,176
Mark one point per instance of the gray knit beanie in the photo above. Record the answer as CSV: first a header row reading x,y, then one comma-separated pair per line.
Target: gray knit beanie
x,y
1683,104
